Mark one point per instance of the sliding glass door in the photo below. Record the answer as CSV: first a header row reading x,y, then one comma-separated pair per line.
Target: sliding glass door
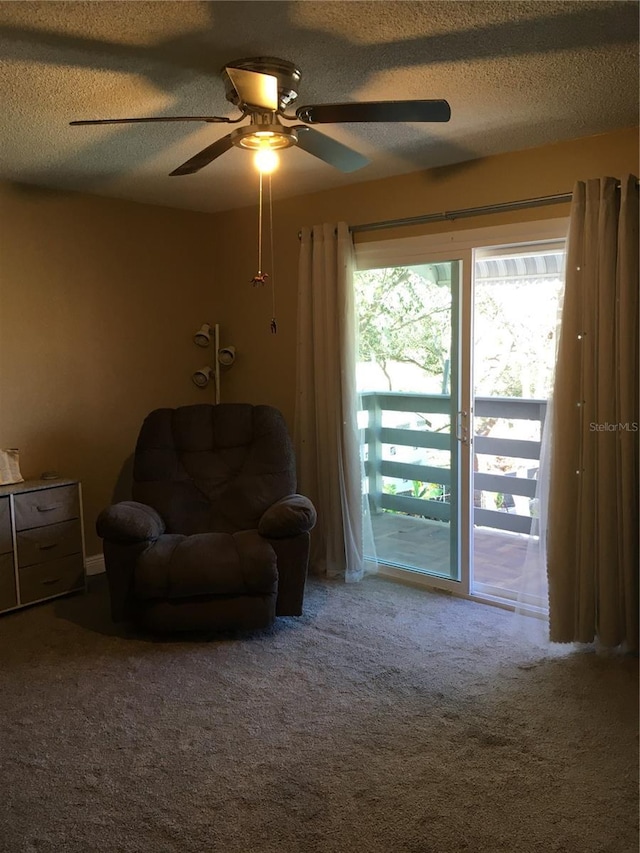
x,y
408,380
456,351
517,291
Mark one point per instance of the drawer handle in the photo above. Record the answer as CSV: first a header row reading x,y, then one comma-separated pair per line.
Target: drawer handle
x,y
48,546
50,581
48,508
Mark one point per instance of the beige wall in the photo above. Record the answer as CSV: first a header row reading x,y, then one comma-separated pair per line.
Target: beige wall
x,y
265,367
99,299
98,302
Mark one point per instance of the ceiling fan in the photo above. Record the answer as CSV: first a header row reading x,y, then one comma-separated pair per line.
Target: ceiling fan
x,y
262,88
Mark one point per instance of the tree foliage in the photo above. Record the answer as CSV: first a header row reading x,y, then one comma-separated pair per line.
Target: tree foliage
x,y
404,318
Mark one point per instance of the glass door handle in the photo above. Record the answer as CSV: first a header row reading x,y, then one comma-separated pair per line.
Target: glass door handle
x,y
462,430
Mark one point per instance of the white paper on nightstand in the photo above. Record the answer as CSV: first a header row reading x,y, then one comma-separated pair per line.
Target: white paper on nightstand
x,y
10,467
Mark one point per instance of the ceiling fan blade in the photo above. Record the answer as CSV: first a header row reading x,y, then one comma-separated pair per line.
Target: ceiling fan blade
x,y
434,110
254,89
210,119
329,150
204,157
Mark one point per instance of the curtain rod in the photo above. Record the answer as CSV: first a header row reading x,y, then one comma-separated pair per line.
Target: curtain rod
x,y
560,198
459,214
462,213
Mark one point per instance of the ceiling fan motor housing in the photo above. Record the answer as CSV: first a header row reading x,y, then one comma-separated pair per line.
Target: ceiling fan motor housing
x,y
287,74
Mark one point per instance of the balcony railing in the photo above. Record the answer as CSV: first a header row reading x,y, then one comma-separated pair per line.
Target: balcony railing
x,y
509,485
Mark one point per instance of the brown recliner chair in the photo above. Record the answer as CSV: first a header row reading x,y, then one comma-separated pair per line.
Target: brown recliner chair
x,y
215,536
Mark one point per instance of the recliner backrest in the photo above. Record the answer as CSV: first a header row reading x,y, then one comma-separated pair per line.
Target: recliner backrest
x,y
209,468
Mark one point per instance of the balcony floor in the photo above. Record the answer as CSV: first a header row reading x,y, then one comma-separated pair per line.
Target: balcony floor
x,y
499,556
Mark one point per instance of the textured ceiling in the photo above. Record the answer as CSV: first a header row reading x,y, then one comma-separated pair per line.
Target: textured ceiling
x,y
517,75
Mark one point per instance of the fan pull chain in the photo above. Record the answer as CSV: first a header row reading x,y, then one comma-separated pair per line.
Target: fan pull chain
x,y
260,277
274,323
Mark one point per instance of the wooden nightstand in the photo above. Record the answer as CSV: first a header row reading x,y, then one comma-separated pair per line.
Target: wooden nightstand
x,y
41,541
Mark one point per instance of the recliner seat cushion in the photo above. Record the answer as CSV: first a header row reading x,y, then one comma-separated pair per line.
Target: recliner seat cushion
x,y
220,564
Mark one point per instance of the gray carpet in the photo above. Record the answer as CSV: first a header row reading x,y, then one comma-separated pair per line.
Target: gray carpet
x,y
385,719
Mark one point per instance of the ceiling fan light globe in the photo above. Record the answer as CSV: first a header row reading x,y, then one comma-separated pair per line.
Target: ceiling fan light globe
x,y
266,160
255,137
262,140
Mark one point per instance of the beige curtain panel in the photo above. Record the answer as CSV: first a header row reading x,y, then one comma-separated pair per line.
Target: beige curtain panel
x,y
592,545
326,434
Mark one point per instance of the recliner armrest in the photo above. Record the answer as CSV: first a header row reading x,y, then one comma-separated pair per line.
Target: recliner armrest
x,y
289,516
128,522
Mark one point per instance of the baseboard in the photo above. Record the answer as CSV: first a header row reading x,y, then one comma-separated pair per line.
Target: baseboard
x,y
94,565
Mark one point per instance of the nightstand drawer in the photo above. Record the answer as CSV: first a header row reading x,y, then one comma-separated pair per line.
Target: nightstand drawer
x,y
5,526
43,544
47,579
46,506
8,597
41,530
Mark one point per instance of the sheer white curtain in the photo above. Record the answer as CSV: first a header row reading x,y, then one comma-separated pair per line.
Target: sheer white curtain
x,y
533,584
592,538
326,435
